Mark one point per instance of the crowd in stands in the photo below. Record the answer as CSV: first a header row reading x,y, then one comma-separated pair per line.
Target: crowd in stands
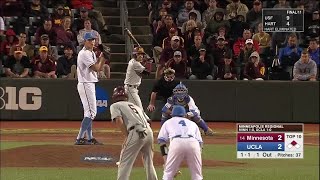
x,y
224,40
199,39
41,38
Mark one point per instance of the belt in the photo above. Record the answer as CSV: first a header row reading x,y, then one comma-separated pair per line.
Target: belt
x,y
134,86
179,136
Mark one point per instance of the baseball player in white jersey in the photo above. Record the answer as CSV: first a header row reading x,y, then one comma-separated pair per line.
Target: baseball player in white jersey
x,y
185,143
133,76
139,136
87,68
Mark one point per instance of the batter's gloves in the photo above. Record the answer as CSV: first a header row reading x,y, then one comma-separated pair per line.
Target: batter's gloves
x,y
105,50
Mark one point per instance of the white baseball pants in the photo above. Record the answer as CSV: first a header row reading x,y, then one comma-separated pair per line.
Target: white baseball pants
x,y
87,93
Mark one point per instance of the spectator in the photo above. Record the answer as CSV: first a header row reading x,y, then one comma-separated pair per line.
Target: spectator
x,y
188,36
36,9
254,69
78,24
87,10
291,53
160,20
65,35
192,16
215,23
178,65
87,28
193,51
167,41
254,16
312,28
11,41
222,34
67,64
43,66
47,29
27,49
53,52
17,66
11,7
208,14
167,54
240,43
305,69
58,15
246,52
218,51
227,70
168,5
238,25
235,8
201,67
282,4
161,91
311,5
262,38
183,14
314,51
163,30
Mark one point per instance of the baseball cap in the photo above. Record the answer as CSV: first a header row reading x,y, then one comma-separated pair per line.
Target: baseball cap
x,y
315,12
172,30
175,38
17,49
44,36
83,9
256,2
68,46
88,36
249,41
177,53
202,48
43,48
254,54
221,37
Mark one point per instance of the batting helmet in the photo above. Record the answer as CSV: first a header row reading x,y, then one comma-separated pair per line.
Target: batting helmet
x,y
138,50
119,94
178,110
180,91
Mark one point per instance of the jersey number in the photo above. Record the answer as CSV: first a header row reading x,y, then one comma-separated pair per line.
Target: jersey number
x,y
182,123
133,109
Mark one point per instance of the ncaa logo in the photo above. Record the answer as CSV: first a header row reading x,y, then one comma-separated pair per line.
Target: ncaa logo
x,y
102,99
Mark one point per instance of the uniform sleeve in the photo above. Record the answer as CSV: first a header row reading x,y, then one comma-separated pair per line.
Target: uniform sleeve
x,y
192,106
115,111
87,58
167,105
137,66
163,134
198,135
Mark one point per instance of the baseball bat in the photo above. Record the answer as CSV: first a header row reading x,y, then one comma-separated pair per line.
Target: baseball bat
x,y
132,36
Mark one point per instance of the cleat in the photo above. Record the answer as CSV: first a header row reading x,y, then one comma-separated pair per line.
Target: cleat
x,y
93,141
177,173
81,141
209,132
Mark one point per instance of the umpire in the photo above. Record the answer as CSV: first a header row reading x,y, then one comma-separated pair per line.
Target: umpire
x,y
161,91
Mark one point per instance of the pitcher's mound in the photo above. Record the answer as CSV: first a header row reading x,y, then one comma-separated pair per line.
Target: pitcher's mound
x,y
77,156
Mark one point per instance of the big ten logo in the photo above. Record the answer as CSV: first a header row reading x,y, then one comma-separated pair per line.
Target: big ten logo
x,y
26,98
102,99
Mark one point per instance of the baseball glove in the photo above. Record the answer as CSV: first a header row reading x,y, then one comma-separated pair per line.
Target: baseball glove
x,y
105,50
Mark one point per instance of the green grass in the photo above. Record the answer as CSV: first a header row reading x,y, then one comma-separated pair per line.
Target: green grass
x,y
268,169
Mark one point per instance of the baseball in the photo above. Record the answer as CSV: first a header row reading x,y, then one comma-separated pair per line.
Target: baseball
x,y
118,163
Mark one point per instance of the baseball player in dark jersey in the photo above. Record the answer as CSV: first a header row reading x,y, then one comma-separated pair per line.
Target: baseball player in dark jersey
x,y
134,125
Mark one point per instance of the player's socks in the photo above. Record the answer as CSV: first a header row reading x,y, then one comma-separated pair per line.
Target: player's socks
x,y
84,126
89,131
203,125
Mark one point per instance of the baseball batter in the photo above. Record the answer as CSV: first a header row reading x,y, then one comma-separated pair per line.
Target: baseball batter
x,y
87,69
185,144
133,76
181,97
139,136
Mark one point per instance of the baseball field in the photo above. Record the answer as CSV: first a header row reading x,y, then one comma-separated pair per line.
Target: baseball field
x,y
44,151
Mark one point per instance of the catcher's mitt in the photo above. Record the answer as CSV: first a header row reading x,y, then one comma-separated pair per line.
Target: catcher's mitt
x,y
105,50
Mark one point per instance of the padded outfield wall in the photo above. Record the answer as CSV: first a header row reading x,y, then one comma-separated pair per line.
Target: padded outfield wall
x,y
234,101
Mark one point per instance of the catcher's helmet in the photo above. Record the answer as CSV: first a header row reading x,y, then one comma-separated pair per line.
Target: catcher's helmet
x,y
138,50
119,94
180,91
178,110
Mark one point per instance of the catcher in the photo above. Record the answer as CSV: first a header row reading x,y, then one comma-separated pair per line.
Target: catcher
x,y
181,97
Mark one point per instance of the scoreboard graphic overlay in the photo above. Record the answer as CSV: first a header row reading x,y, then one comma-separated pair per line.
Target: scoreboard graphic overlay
x,y
282,20
269,141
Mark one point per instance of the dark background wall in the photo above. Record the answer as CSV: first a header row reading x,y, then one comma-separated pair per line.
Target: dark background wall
x,y
236,101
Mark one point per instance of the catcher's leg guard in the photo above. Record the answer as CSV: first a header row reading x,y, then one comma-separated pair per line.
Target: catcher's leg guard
x,y
201,123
